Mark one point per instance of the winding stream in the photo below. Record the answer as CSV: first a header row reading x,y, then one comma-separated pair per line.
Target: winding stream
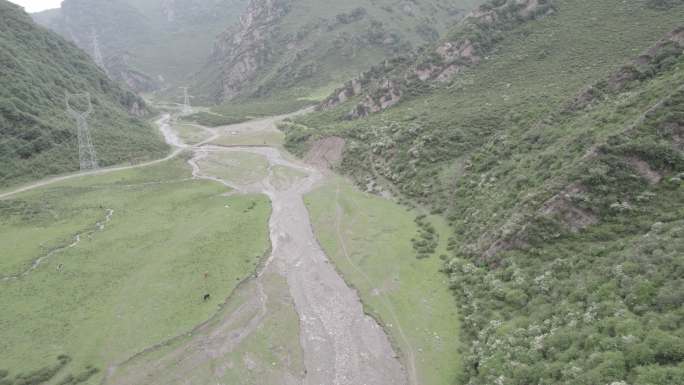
x,y
99,226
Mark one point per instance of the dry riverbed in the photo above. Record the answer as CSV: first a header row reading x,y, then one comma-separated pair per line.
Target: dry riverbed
x,y
330,341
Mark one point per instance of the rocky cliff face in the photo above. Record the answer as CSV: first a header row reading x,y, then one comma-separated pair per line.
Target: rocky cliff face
x,y
246,50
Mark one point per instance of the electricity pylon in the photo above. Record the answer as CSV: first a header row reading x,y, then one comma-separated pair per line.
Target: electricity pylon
x,y
86,151
186,101
97,54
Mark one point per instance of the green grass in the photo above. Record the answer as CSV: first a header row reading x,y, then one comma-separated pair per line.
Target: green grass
x,y
267,355
369,242
246,109
235,167
212,119
138,281
273,352
190,133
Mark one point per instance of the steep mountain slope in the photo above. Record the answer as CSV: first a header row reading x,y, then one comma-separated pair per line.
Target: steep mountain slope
x,y
300,47
557,158
466,45
37,137
146,44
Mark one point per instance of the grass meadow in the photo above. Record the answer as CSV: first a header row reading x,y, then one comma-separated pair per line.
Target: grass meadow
x,y
135,282
369,240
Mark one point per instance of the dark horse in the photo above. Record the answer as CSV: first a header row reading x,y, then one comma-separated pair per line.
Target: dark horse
x,y
206,297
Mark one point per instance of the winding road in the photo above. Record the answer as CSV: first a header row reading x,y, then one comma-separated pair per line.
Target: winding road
x,y
164,127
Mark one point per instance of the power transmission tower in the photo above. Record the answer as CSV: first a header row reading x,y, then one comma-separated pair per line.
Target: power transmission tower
x,y
97,54
86,151
187,109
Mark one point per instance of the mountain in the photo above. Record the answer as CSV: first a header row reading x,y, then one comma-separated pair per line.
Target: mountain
x,y
300,48
37,136
554,145
146,44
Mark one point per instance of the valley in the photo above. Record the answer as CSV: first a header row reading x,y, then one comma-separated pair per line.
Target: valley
x,y
325,319
423,192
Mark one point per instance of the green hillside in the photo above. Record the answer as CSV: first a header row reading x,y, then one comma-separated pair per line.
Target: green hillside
x,y
557,158
37,137
146,44
291,50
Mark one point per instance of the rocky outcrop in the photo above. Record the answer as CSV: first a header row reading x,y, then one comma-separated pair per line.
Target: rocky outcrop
x,y
138,108
245,51
467,46
562,207
383,98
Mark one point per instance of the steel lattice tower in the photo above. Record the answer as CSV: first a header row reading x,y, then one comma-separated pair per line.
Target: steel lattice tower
x,y
86,151
97,53
186,101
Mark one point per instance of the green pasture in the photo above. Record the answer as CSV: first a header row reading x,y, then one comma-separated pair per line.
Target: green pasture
x,y
130,285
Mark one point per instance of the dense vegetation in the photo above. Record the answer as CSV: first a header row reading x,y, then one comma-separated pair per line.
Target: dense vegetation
x,y
559,168
604,303
37,137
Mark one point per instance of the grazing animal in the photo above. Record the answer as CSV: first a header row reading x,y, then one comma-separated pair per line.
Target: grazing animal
x,y
206,297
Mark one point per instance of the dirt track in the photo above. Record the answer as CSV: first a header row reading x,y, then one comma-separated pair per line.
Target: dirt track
x,y
341,345
163,123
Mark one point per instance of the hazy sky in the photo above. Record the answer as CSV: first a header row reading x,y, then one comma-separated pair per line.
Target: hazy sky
x,y
37,5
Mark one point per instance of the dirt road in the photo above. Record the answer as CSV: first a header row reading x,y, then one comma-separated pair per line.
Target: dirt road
x,y
164,127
